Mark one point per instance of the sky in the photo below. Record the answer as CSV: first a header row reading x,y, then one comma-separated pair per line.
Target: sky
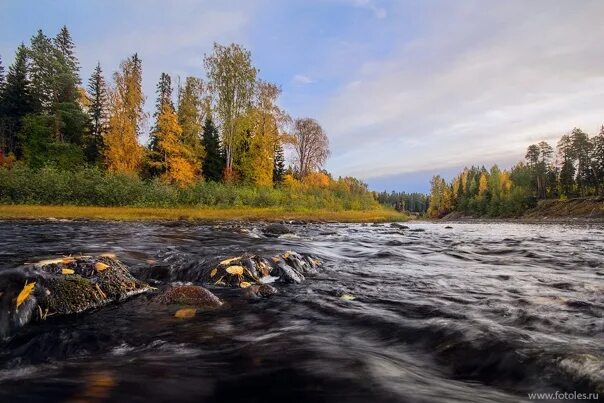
x,y
404,89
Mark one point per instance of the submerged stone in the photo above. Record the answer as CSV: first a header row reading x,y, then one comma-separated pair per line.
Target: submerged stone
x,y
189,295
62,286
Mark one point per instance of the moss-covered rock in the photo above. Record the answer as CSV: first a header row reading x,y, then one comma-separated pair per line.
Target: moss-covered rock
x,y
62,286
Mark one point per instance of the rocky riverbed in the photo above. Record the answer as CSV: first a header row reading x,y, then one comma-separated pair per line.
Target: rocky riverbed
x,y
180,311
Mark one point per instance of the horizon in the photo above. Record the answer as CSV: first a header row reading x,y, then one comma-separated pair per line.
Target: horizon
x,y
402,91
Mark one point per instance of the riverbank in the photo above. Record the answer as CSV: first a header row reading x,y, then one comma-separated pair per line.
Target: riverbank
x,y
576,210
193,214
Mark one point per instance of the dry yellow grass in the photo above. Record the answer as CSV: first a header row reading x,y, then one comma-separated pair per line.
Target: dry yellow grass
x,y
191,213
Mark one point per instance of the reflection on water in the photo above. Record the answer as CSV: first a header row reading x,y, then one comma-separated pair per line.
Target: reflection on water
x,y
477,312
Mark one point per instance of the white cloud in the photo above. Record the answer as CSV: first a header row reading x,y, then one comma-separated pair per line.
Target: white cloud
x,y
302,79
464,92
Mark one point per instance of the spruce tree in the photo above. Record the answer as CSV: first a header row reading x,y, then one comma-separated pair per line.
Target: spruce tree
x,y
190,117
279,164
64,44
163,103
97,112
1,77
214,162
15,103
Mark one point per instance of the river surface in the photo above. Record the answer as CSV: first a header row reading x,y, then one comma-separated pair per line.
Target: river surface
x,y
473,313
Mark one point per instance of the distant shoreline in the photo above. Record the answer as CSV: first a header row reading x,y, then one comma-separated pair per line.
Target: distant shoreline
x,y
211,214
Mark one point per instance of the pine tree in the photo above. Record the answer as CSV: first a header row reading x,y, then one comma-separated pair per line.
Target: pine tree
x,y
1,77
15,103
581,150
157,163
214,162
97,111
598,161
279,164
567,169
43,71
190,112
65,45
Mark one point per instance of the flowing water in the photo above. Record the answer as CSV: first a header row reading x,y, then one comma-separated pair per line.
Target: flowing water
x,y
477,312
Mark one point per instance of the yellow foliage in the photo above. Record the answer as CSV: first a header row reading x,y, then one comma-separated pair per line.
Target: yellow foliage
x,y
290,182
483,184
99,266
185,313
179,161
25,292
317,180
235,270
67,271
123,153
506,182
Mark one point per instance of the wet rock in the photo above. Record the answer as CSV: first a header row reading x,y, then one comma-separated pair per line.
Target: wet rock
x,y
448,227
399,225
260,291
417,230
63,286
247,270
189,295
275,230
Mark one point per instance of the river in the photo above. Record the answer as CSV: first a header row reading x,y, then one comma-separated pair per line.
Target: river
x,y
477,312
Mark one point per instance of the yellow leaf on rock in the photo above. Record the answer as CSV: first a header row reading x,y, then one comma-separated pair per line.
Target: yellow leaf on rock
x,y
27,289
67,271
213,272
235,270
227,261
67,260
185,313
244,284
109,255
99,266
347,297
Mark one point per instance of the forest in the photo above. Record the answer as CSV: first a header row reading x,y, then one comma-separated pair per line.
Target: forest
x,y
575,168
219,139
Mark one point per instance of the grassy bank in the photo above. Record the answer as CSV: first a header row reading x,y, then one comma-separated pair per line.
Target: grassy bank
x,y
192,213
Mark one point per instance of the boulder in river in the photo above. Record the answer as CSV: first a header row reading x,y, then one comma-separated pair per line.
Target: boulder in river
x,y
276,229
189,295
247,270
62,286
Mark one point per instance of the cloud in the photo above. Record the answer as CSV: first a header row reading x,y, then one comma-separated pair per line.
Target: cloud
x,y
378,12
457,92
302,79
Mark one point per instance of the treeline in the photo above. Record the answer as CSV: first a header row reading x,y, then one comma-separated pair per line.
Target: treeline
x,y
574,169
224,127
401,201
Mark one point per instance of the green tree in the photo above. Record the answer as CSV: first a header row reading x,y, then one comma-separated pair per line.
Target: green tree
x,y
214,162
597,159
15,102
66,47
98,113
41,148
567,169
279,164
231,78
190,117
581,153
1,77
